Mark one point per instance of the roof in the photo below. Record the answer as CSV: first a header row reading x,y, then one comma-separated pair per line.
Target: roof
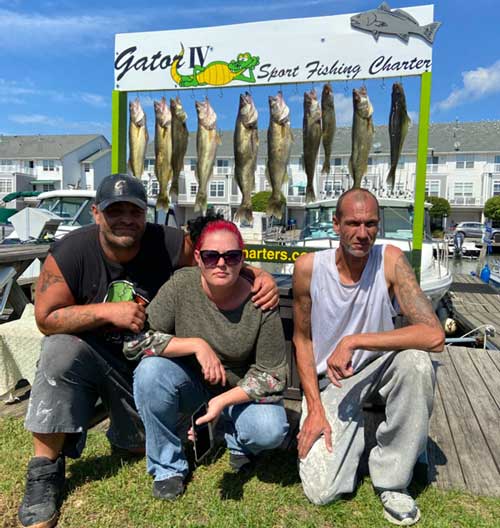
x,y
476,136
44,147
96,155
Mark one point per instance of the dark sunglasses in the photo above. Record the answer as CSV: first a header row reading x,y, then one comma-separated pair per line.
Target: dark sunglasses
x,y
231,258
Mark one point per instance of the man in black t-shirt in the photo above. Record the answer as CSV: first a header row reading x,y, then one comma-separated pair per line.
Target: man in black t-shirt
x,y
91,295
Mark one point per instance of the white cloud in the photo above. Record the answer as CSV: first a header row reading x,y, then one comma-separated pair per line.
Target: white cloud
x,y
413,116
343,109
92,99
59,122
19,92
477,84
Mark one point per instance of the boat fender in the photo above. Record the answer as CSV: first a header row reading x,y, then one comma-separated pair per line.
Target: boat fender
x,y
485,274
450,326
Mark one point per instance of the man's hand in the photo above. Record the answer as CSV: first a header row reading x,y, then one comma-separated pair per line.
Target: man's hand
x,y
265,290
127,315
339,364
313,427
212,368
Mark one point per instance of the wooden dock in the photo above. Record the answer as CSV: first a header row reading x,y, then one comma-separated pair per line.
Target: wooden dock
x,y
464,436
476,304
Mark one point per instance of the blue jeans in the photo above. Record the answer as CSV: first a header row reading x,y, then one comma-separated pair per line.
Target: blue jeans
x,y
165,388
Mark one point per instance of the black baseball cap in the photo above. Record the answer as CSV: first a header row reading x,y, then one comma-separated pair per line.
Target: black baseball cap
x,y
120,188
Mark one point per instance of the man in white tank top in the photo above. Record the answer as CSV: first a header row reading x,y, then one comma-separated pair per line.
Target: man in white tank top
x,y
349,353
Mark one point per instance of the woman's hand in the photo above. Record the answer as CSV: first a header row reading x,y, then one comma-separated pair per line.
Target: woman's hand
x,y
215,407
212,368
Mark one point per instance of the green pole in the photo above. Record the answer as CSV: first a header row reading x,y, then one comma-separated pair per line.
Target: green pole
x,y
423,136
118,131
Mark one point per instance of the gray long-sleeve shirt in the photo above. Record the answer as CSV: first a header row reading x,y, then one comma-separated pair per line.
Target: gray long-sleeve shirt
x,y
249,342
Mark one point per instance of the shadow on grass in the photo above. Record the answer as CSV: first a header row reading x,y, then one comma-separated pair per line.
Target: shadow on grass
x,y
277,467
96,468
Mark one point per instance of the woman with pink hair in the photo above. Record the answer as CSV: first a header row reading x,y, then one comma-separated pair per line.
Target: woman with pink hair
x,y
210,344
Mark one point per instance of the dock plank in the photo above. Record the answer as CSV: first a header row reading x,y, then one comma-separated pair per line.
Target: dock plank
x,y
444,463
483,405
478,465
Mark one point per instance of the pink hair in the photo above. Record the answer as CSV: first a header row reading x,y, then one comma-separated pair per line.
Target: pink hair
x,y
219,225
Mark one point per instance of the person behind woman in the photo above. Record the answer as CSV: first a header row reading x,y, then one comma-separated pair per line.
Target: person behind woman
x,y
225,351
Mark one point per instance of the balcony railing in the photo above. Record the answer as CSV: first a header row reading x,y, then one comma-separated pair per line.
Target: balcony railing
x,y
464,200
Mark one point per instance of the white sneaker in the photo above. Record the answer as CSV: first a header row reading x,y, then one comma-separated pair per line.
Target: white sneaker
x,y
399,507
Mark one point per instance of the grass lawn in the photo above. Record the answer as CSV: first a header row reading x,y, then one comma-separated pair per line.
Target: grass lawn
x,y
103,491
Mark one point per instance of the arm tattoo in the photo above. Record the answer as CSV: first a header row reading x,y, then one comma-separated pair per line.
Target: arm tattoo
x,y
47,279
416,306
74,316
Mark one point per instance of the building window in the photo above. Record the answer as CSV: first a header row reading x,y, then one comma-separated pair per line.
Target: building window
x,y
497,164
370,161
155,187
193,188
86,167
6,185
301,191
48,165
401,161
192,164
463,189
217,189
331,187
496,188
432,163
149,165
465,161
222,166
6,164
432,188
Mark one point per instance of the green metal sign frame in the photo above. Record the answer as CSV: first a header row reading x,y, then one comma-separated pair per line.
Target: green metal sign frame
x,y
119,156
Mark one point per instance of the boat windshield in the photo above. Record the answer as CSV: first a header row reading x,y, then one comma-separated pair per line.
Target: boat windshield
x,y
319,223
395,223
73,210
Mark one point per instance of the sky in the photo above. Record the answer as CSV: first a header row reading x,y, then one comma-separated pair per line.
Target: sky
x,y
56,73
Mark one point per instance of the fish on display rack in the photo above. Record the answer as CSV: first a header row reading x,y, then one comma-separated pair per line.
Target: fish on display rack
x,y
279,144
180,137
137,137
311,138
246,144
207,140
362,135
383,21
328,124
399,123
163,150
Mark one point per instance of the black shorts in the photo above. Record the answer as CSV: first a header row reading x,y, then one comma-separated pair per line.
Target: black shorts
x,y
71,375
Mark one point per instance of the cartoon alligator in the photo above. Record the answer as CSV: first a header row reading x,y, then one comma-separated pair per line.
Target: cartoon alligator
x,y
217,73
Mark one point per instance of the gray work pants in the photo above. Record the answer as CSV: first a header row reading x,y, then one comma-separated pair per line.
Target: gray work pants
x,y
404,381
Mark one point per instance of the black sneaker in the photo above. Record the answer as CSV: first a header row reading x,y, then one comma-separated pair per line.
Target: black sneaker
x,y
241,463
168,489
42,497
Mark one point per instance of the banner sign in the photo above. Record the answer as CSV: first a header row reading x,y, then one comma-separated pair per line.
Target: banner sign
x,y
382,42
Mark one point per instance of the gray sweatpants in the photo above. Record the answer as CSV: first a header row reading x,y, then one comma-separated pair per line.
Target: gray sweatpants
x,y
71,375
404,381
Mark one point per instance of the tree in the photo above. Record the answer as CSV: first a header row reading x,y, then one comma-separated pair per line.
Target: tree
x,y
261,199
492,208
440,206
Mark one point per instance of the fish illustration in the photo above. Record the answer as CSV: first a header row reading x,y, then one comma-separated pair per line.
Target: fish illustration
x,y
207,141
383,21
398,127
246,144
279,144
138,138
311,139
180,136
163,150
362,135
